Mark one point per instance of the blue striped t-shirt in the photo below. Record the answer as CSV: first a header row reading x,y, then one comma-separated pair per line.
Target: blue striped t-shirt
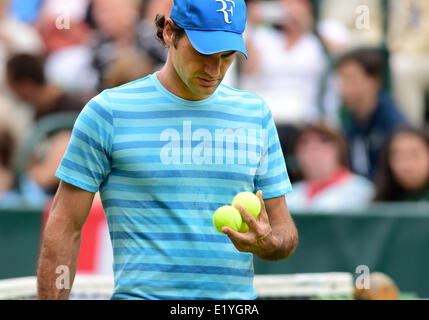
x,y
163,165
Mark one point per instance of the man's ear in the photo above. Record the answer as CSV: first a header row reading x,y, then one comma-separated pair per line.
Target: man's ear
x,y
168,33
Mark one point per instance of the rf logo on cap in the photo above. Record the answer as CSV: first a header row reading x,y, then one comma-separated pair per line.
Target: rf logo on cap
x,y
224,9
212,26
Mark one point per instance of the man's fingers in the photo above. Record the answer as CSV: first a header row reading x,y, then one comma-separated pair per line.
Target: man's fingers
x,y
233,234
263,215
259,195
259,228
238,239
247,217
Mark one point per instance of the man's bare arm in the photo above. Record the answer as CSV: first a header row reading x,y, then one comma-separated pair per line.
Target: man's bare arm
x,y
61,239
283,228
273,236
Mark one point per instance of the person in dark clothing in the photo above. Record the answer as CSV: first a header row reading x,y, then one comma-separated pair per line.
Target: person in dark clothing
x,y
369,113
26,79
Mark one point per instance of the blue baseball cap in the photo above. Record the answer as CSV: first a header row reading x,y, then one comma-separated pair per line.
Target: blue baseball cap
x,y
212,26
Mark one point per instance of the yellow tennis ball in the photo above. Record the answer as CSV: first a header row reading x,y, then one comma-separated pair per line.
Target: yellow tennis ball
x,y
251,203
227,216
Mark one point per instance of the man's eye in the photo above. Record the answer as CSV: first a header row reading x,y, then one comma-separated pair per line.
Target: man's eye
x,y
228,54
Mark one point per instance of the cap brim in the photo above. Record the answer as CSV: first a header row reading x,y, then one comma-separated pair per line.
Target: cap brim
x,y
212,42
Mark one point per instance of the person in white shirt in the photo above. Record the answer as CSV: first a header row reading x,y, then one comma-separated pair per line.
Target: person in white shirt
x,y
285,66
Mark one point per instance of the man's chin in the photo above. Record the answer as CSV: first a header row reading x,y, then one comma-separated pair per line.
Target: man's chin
x,y
205,91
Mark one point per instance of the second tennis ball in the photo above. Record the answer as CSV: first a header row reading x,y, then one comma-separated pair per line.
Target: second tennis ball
x,y
227,216
251,203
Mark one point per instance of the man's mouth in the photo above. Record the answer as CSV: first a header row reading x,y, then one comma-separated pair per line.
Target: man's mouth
x,y
207,82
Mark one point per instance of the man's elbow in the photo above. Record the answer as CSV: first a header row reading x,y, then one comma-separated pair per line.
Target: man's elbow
x,y
290,245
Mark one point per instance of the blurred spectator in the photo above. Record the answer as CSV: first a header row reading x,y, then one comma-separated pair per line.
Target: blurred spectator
x,y
13,194
348,24
46,159
26,10
126,32
15,36
62,24
381,287
327,182
128,66
285,66
409,47
66,36
19,116
403,174
25,77
146,30
7,148
369,114
335,36
342,26
155,7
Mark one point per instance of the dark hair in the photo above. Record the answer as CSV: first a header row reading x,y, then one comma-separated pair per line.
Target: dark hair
x,y
25,66
387,187
371,60
178,32
7,148
329,134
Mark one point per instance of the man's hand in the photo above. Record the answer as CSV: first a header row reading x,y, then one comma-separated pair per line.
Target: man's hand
x,y
262,239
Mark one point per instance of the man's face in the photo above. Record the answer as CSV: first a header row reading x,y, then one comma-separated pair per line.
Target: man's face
x,y
115,17
297,14
355,84
199,75
409,161
317,156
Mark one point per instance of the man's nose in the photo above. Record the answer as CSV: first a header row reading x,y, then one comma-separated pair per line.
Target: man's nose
x,y
212,66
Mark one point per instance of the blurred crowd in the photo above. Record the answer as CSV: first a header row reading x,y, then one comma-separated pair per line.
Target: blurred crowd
x,y
347,83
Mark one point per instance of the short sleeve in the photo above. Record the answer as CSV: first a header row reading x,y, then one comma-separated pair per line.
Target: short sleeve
x,y
87,160
271,176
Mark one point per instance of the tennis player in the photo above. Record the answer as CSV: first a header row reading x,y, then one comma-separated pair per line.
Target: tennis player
x,y
165,152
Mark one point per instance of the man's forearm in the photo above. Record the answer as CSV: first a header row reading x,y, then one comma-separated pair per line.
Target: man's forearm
x,y
58,262
281,242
